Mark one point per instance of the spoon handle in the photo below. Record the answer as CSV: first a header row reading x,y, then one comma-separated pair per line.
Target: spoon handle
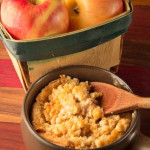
x,y
144,103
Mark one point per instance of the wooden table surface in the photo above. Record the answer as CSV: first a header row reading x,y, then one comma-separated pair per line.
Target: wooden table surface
x,y
134,69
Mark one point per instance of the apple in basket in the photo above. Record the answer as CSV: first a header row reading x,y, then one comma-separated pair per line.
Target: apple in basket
x,y
85,13
30,19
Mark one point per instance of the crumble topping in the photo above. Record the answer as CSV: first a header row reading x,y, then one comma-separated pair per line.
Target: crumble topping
x,y
68,113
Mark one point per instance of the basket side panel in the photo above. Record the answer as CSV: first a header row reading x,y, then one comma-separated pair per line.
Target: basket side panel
x,y
105,56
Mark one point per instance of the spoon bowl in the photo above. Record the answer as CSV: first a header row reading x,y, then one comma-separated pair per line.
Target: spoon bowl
x,y
116,100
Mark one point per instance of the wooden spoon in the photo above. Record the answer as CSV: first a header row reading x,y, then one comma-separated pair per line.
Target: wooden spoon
x,y
116,100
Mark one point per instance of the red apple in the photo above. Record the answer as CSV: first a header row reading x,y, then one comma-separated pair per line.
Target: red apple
x,y
85,13
25,19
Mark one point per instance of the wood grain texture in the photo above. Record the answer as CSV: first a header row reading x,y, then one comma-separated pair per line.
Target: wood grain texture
x,y
139,30
136,53
10,137
140,2
3,52
136,47
8,75
10,104
134,69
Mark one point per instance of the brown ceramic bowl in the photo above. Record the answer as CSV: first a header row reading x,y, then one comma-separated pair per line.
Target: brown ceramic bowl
x,y
85,73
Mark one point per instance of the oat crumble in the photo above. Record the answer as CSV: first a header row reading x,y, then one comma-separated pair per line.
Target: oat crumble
x,y
67,113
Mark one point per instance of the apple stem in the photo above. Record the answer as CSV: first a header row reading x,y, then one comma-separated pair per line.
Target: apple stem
x,y
76,10
36,2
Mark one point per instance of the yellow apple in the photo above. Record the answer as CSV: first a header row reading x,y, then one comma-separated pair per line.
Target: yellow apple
x,y
30,19
85,13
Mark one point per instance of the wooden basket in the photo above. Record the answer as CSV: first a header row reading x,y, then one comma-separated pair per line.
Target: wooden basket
x,y
104,52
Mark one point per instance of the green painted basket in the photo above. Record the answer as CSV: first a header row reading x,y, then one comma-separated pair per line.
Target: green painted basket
x,y
68,43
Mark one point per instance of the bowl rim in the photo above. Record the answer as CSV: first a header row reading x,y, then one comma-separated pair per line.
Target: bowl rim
x,y
27,121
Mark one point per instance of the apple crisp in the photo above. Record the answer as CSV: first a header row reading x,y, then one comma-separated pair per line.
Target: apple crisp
x,y
68,113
